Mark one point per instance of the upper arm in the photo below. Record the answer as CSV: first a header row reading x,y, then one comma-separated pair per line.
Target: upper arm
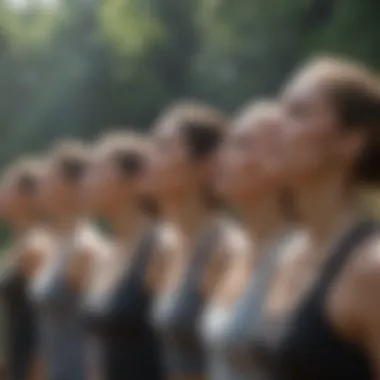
x,y
35,251
80,268
367,301
156,270
91,247
164,250
232,243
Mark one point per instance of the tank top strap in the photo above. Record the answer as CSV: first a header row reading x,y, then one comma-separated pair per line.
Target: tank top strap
x,y
344,249
263,276
203,250
143,251
248,313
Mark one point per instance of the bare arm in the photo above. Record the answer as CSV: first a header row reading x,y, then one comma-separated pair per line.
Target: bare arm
x,y
232,244
161,258
366,298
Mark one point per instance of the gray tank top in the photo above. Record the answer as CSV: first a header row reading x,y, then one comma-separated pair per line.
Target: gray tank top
x,y
60,328
176,313
231,334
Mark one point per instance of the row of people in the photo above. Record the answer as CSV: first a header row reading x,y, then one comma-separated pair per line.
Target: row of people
x,y
180,289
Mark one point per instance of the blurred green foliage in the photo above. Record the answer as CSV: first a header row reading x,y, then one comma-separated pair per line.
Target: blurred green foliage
x,y
78,67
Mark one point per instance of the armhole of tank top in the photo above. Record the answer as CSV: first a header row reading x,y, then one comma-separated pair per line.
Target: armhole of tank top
x,y
342,252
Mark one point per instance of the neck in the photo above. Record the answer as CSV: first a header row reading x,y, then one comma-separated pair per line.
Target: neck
x,y
188,212
65,225
327,206
264,220
128,222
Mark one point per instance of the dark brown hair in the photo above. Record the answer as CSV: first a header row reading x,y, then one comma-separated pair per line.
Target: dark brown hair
x,y
24,173
72,159
355,93
128,150
201,126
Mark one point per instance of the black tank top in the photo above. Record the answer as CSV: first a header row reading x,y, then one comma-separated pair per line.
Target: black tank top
x,y
309,348
128,345
20,321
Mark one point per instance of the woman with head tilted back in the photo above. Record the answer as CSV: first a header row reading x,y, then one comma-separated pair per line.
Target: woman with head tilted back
x,y
192,233
118,301
321,313
56,291
250,179
30,245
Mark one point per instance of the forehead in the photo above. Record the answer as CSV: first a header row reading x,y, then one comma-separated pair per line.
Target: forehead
x,y
168,126
257,122
307,87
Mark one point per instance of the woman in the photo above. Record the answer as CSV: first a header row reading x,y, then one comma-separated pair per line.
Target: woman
x,y
249,179
31,244
194,238
322,307
57,290
118,301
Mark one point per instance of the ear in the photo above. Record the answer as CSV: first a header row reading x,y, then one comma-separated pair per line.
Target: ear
x,y
207,165
352,144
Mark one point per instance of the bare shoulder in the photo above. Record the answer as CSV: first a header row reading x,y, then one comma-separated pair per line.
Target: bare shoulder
x,y
168,240
91,245
234,241
365,267
360,286
294,247
39,241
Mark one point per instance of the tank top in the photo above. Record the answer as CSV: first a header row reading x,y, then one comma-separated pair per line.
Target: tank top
x,y
176,314
308,347
304,345
61,331
119,319
232,334
19,321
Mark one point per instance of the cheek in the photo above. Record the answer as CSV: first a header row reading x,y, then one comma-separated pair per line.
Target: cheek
x,y
168,171
97,184
102,188
51,193
17,206
308,146
235,172
316,142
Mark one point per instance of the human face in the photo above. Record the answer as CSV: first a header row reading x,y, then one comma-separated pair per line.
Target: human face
x,y
57,195
106,186
249,159
170,170
316,141
18,204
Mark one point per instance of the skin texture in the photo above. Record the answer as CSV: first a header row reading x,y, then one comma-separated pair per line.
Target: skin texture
x,y
178,180
60,199
249,147
318,159
32,243
113,194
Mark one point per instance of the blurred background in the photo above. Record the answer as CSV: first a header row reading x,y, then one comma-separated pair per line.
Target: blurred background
x,y
73,68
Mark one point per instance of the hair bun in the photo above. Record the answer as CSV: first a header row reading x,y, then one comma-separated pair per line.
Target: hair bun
x,y
130,163
73,169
